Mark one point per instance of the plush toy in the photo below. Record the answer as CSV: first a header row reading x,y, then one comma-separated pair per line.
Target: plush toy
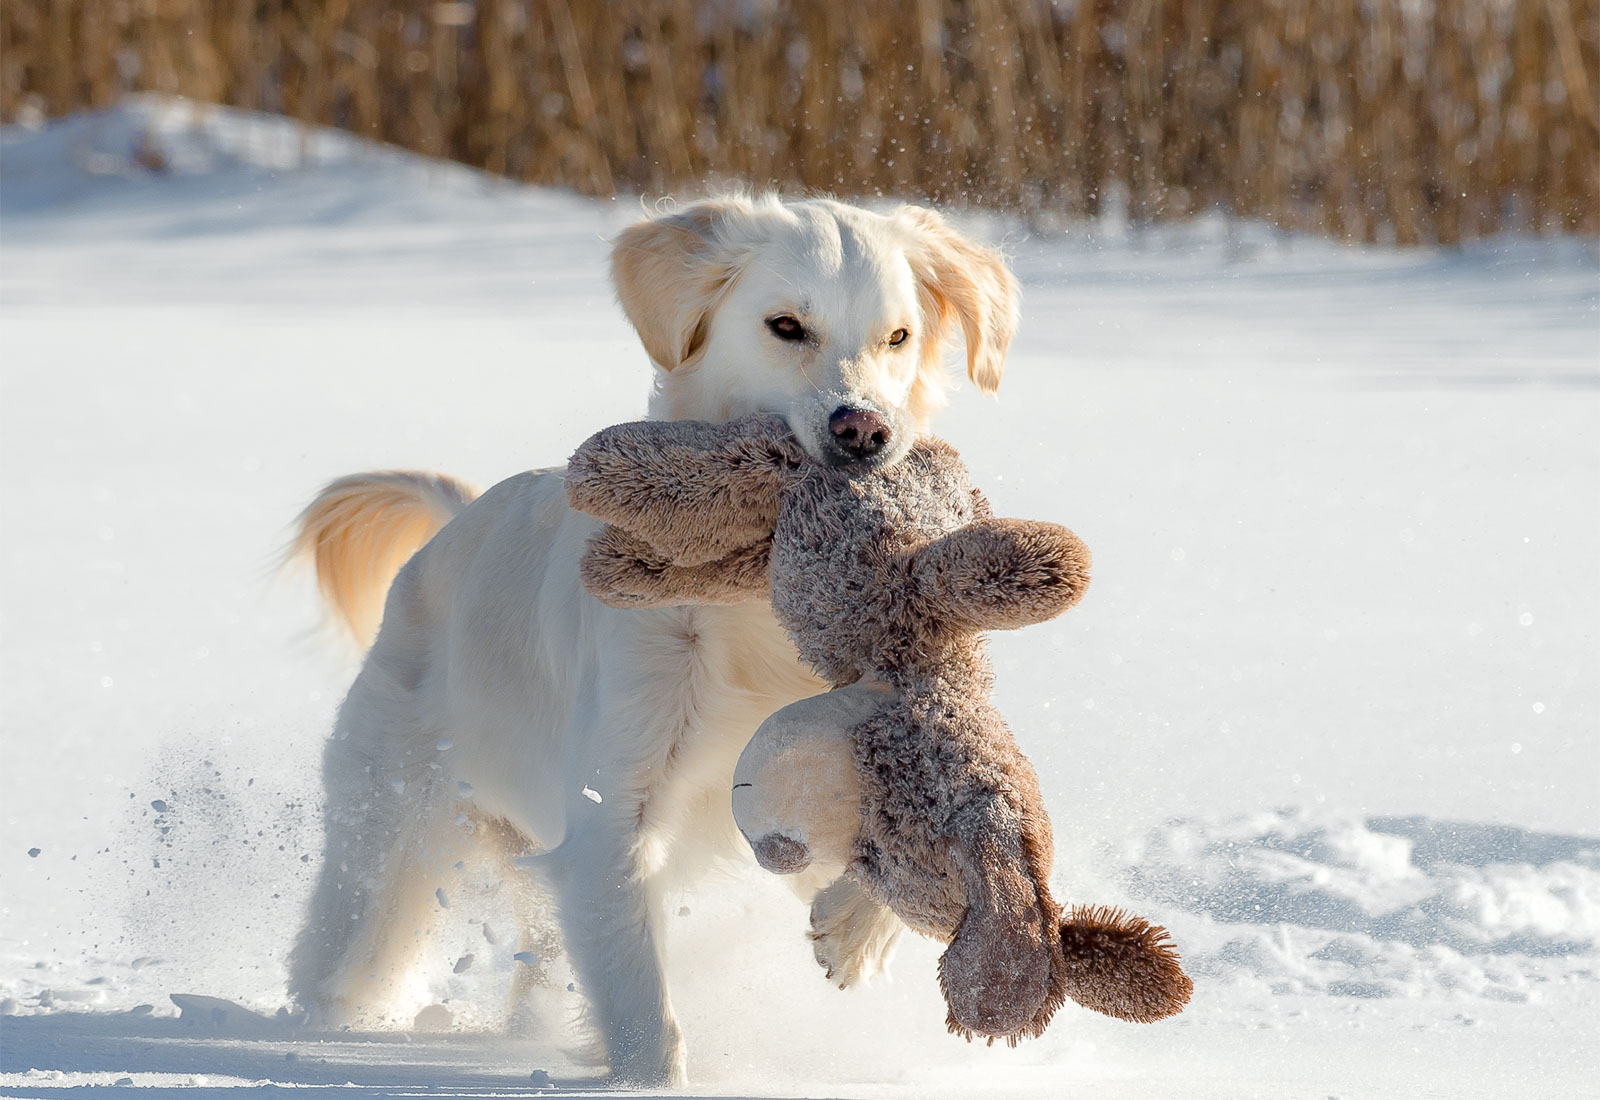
x,y
905,776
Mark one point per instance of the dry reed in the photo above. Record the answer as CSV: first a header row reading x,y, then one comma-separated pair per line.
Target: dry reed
x,y
1410,120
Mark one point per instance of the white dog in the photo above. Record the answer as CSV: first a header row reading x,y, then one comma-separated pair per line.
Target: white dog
x,y
499,690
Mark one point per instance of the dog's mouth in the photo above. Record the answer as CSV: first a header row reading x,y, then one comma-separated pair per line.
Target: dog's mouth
x,y
854,464
836,458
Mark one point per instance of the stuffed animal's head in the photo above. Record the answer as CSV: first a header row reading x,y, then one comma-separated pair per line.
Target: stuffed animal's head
x,y
796,793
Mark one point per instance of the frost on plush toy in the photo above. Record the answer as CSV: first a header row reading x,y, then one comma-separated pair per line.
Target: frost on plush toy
x,y
904,777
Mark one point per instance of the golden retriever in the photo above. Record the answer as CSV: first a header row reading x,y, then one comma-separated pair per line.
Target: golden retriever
x,y
500,703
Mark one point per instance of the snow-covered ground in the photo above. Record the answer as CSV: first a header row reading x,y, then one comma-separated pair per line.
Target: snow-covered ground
x,y
1331,709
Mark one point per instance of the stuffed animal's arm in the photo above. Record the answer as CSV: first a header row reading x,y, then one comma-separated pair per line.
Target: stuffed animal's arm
x,y
692,490
622,570
1001,573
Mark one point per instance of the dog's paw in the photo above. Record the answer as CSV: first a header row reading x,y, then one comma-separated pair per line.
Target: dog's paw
x,y
852,936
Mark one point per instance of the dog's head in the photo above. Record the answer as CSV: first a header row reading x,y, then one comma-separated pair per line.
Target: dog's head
x,y
831,316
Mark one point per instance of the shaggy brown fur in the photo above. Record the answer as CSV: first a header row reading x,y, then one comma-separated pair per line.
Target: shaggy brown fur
x,y
890,576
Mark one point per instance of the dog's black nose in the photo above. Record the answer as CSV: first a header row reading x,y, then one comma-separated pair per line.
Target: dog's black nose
x,y
861,433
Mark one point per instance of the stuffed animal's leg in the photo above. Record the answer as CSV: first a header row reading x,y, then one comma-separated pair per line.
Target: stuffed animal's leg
x,y
622,570
997,974
1001,573
695,491
853,935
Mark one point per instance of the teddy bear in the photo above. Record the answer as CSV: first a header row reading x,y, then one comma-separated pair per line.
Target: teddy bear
x,y
904,777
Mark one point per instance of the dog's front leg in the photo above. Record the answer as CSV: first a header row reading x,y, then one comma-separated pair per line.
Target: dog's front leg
x,y
853,935
608,921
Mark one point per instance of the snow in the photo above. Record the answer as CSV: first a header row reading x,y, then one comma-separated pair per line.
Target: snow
x,y
1329,710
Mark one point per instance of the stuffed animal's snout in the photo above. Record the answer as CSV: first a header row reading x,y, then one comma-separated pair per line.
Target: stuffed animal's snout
x,y
782,855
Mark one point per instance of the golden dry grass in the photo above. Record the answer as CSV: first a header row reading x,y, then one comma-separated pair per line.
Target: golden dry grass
x,y
1412,120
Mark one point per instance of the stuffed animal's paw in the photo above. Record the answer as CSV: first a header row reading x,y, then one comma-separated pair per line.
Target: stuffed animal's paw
x,y
852,936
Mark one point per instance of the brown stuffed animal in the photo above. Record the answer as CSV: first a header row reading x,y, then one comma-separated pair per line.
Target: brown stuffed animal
x,y
884,581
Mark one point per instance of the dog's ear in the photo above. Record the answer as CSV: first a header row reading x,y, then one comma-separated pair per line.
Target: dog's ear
x,y
959,280
670,272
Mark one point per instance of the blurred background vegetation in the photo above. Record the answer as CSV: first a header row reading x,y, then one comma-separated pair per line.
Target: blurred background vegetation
x,y
1406,120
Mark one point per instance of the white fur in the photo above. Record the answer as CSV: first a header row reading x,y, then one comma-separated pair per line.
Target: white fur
x,y
490,648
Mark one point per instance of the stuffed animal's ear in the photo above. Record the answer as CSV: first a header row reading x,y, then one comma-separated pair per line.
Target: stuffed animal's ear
x,y
997,973
997,574
622,570
1122,965
670,273
961,281
693,491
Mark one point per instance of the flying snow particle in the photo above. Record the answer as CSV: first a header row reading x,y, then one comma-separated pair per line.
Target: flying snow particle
x,y
444,898
1516,747
1526,619
464,789
591,794
159,806
540,1079
526,958
1538,708
33,853
463,964
434,1018
488,934
444,744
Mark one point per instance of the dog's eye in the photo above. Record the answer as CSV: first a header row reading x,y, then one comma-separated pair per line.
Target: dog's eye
x,y
785,327
898,337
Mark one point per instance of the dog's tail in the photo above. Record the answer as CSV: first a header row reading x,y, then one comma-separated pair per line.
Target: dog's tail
x,y
359,530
